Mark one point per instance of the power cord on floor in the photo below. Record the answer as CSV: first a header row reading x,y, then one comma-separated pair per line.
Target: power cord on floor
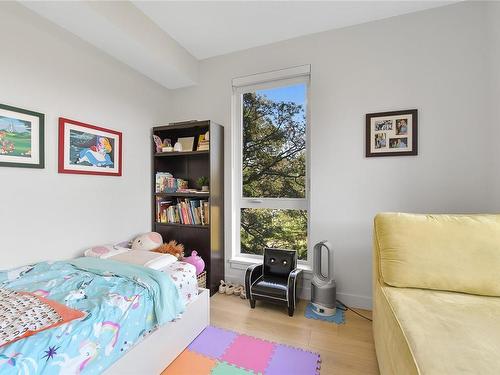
x,y
344,307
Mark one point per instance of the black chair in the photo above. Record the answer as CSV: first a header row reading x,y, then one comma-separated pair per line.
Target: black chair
x,y
275,280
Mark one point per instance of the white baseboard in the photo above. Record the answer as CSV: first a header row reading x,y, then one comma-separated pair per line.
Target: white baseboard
x,y
355,301
351,300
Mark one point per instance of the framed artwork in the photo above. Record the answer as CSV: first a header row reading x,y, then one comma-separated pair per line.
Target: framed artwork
x,y
21,138
89,149
187,143
392,133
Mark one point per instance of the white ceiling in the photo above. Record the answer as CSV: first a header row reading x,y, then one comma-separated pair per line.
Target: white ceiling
x,y
211,28
124,32
165,39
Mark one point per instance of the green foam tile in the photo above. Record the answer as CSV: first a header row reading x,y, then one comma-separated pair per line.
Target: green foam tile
x,y
223,368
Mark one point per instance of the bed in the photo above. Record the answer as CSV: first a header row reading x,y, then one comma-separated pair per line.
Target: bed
x,y
136,319
184,277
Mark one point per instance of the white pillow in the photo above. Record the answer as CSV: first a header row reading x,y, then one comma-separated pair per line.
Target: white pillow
x,y
105,251
147,259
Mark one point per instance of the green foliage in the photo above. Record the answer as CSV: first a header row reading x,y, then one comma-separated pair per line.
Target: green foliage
x,y
202,181
274,166
20,143
274,143
282,229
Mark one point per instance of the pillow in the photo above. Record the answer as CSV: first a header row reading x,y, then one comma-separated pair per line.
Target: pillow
x,y
105,251
24,314
147,259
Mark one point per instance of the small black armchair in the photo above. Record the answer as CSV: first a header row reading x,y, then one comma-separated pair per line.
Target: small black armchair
x,y
275,280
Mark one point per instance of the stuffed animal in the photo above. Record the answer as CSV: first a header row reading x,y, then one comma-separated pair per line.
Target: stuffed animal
x,y
196,261
172,248
147,241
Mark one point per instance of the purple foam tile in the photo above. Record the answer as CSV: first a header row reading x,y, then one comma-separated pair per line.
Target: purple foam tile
x,y
212,342
292,361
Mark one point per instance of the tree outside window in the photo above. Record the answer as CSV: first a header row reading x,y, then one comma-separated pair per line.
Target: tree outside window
x,y
274,167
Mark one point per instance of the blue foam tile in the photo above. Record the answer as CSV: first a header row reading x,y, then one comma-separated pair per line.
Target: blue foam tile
x,y
338,318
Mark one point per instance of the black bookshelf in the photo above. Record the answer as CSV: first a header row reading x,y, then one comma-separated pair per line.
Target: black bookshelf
x,y
184,195
207,240
182,153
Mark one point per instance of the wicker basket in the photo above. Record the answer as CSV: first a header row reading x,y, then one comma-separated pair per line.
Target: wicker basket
x,y
202,279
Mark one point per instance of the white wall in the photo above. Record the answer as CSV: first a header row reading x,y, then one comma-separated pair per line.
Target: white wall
x,y
46,215
493,52
432,60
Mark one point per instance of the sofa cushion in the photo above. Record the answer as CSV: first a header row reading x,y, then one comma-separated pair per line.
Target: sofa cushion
x,y
443,252
446,332
393,353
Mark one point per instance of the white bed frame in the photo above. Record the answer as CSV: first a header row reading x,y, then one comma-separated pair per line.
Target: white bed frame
x,y
152,355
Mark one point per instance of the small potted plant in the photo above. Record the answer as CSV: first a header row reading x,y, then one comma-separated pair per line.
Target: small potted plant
x,y
203,183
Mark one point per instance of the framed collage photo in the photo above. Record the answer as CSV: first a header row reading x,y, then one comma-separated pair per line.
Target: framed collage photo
x,y
21,138
392,133
89,149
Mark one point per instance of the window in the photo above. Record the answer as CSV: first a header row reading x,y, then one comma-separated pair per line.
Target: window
x,y
271,176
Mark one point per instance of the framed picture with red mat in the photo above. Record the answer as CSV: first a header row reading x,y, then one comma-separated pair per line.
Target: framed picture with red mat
x,y
89,149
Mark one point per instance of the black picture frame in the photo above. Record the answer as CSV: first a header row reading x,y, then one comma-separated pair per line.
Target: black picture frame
x,y
385,147
41,138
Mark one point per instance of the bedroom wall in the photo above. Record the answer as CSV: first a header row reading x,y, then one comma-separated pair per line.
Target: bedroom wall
x,y
493,17
46,215
432,60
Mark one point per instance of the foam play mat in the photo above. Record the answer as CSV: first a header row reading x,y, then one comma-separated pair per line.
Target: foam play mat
x,y
221,352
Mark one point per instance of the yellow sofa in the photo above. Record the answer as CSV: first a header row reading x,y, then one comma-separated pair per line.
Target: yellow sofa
x,y
437,294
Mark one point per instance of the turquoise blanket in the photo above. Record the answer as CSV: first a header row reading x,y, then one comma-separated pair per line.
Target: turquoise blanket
x,y
167,302
123,303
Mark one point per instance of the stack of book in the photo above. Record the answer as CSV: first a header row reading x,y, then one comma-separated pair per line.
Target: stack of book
x,y
183,211
203,144
166,183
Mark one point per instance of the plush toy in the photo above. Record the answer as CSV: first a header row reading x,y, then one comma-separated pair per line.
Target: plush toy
x,y
147,241
196,261
172,248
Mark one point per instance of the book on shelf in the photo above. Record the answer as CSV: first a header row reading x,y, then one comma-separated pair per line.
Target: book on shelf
x,y
166,183
162,209
206,212
183,211
186,191
203,143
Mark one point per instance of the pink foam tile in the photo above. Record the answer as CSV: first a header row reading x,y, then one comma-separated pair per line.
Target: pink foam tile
x,y
293,361
249,353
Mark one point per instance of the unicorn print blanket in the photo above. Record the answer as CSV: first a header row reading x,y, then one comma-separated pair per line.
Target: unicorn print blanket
x,y
122,303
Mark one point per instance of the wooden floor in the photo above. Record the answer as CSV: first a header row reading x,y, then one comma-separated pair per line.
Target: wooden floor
x,y
344,349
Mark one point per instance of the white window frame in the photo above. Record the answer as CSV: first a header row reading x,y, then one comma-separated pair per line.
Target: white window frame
x,y
280,78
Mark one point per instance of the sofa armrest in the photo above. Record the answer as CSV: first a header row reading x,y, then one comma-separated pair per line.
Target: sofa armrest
x,y
252,273
292,286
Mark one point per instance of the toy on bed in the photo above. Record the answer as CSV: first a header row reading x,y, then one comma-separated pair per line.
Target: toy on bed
x,y
147,241
147,250
138,253
143,242
173,248
196,261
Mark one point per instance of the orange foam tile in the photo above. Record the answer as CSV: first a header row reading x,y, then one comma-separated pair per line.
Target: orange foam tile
x,y
189,363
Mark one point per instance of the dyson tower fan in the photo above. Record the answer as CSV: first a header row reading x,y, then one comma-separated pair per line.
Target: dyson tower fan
x,y
323,288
